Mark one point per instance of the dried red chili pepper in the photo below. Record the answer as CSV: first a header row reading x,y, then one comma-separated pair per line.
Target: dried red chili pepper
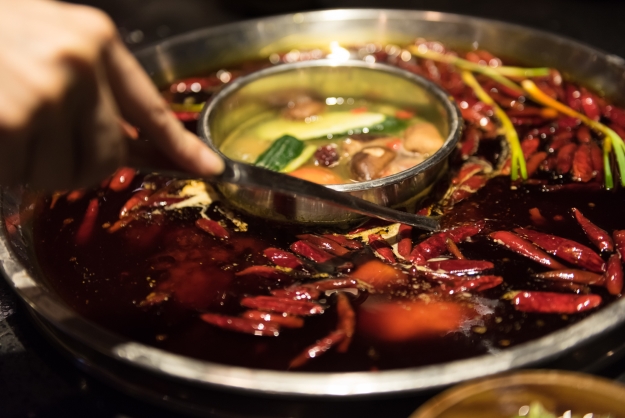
x,y
75,195
244,325
475,284
333,284
85,231
213,228
122,178
383,248
453,249
287,321
328,245
404,236
317,349
437,243
283,258
346,321
582,167
138,199
576,276
565,158
311,251
596,235
589,105
296,293
282,305
566,249
619,242
525,248
267,272
614,275
534,162
558,303
341,240
460,267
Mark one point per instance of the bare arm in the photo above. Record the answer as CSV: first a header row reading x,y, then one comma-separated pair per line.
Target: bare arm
x,y
66,81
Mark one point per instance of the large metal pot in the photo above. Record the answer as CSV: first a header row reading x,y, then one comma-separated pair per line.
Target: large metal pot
x,y
212,48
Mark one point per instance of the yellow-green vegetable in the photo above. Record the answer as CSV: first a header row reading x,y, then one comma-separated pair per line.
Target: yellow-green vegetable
x,y
517,158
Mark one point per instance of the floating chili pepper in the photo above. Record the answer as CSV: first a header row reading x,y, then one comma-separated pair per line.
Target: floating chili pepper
x,y
404,236
122,178
267,272
614,275
453,249
582,168
311,251
589,105
461,266
346,321
317,349
476,284
525,248
347,243
383,248
619,242
328,245
573,275
244,325
470,142
333,284
282,305
212,227
296,293
138,199
75,195
534,162
85,231
566,249
283,258
437,243
565,158
549,302
597,236
287,321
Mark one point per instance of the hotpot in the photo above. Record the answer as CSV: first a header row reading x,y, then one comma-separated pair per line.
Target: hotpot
x,y
214,48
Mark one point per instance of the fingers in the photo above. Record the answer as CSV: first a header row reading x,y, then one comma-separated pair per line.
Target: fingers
x,y
141,104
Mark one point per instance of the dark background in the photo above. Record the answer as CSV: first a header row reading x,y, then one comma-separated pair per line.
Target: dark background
x,y
35,379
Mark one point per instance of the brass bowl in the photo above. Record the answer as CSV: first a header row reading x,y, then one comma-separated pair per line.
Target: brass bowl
x,y
509,395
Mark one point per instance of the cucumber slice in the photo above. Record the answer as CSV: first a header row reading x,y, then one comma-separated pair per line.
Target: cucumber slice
x,y
333,123
300,160
284,150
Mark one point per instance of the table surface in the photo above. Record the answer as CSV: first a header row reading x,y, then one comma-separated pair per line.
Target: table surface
x,y
37,380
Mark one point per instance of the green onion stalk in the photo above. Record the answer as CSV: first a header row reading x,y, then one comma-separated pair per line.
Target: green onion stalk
x,y
612,140
517,158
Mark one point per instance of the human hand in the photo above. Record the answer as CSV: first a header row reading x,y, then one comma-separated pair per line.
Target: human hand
x,y
67,81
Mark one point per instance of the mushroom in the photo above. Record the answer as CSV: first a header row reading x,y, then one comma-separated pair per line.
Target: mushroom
x,y
369,163
303,107
423,138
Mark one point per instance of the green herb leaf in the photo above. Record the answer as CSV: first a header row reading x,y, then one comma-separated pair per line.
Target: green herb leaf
x,y
280,153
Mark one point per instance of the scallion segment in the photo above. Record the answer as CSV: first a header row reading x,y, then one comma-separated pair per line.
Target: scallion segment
x,y
611,142
283,150
517,158
466,65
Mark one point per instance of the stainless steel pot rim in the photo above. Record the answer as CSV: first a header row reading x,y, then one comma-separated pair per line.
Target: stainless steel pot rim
x,y
453,114
45,302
